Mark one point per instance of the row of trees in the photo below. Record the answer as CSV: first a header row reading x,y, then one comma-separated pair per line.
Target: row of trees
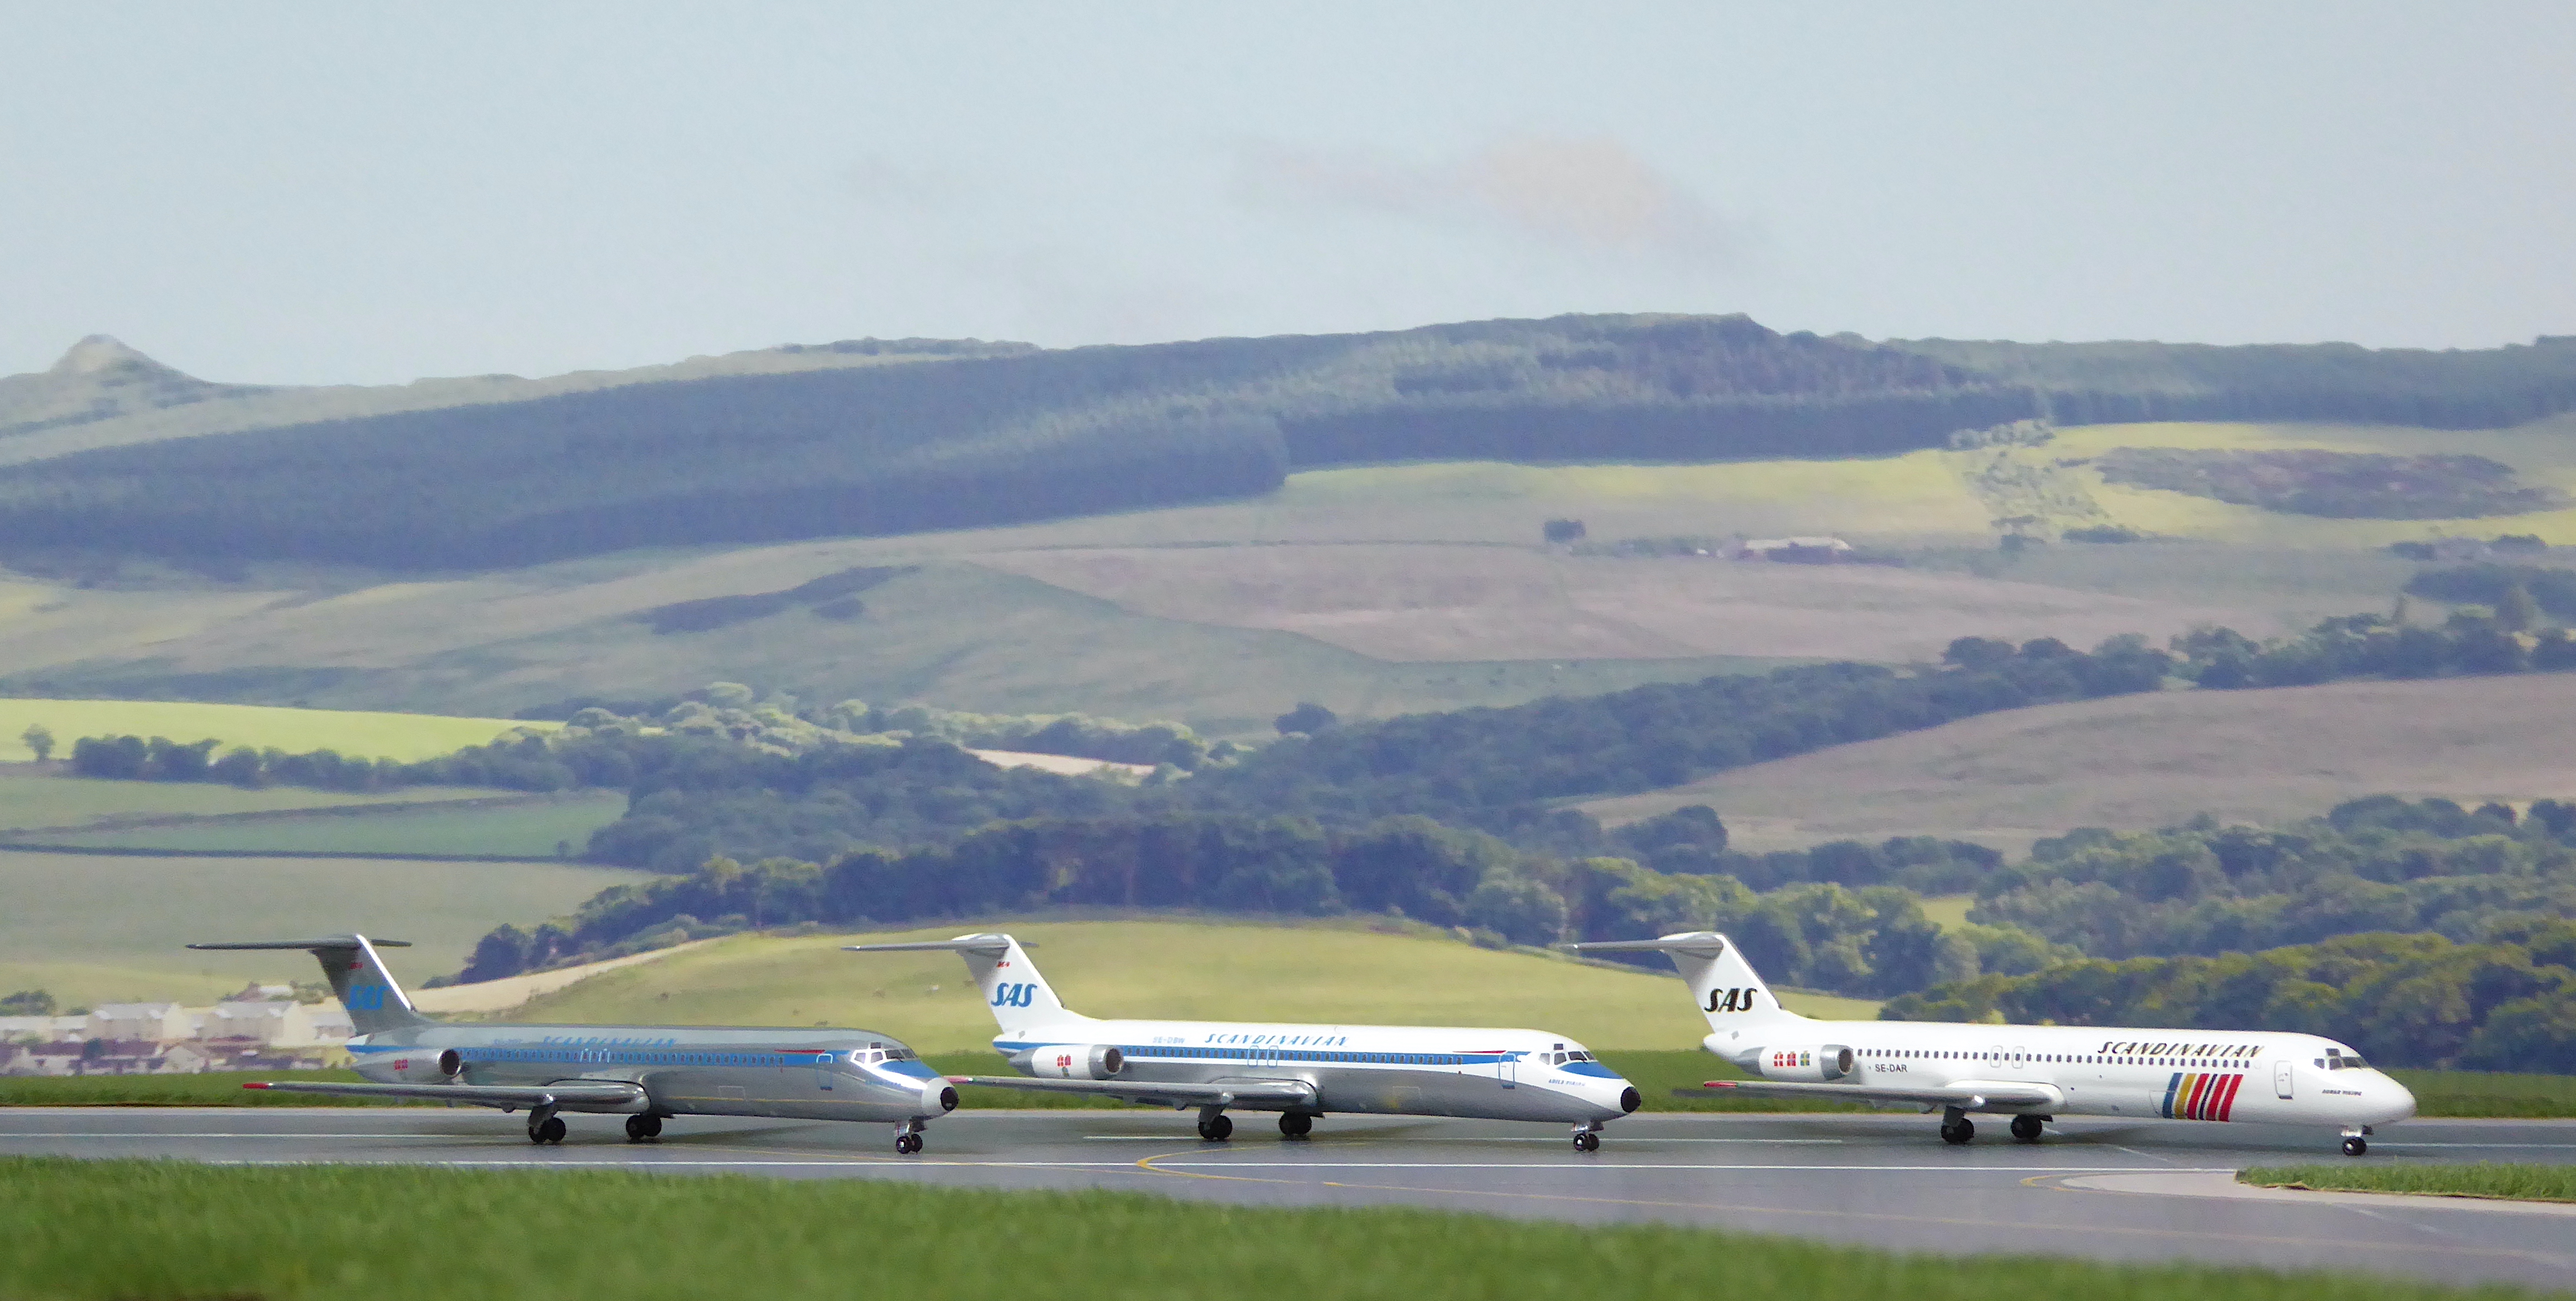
x,y
2504,1004
2381,864
1870,940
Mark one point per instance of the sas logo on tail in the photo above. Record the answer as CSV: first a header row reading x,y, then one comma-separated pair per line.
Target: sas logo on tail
x,y
1730,1000
1014,994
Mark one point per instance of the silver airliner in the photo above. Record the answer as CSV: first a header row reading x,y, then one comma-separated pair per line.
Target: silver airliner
x,y
647,1073
1299,1071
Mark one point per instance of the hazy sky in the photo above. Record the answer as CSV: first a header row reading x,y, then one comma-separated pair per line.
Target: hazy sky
x,y
370,193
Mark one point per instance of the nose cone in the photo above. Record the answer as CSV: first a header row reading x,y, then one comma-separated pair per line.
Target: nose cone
x,y
1629,1099
2398,1100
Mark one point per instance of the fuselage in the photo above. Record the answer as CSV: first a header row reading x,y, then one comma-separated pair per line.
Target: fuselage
x,y
2212,1075
1393,1070
806,1074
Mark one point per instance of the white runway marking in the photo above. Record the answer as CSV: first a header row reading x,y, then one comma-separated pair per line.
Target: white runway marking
x,y
1623,1166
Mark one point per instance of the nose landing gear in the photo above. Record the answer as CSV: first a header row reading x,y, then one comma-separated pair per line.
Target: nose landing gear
x,y
2353,1142
907,1138
1587,1137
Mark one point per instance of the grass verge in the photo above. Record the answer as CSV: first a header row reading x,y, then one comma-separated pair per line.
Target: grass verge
x,y
2527,1183
212,1089
2486,1093
333,1232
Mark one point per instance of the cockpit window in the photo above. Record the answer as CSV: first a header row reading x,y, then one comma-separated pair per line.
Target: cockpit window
x,y
2344,1060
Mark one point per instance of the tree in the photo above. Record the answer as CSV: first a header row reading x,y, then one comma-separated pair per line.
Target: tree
x,y
27,1002
1307,717
1562,531
39,739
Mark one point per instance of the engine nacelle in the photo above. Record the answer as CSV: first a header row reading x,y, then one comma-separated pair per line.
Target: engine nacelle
x,y
1813,1063
428,1066
1071,1062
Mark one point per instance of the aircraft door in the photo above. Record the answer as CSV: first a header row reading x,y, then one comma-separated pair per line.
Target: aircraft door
x,y
823,1071
2281,1079
1507,1070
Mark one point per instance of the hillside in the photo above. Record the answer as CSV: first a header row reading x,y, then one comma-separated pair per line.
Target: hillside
x,y
2143,761
1177,969
980,439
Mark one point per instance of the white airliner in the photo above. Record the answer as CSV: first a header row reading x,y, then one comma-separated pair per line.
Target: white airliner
x,y
1299,1071
2032,1073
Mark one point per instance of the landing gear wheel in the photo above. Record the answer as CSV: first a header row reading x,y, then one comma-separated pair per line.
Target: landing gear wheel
x,y
1955,1132
907,1143
1217,1128
1296,1124
548,1130
1587,1141
2026,1128
2355,1146
640,1129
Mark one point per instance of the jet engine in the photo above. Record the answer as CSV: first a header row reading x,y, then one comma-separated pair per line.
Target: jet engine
x,y
1072,1062
429,1066
1814,1063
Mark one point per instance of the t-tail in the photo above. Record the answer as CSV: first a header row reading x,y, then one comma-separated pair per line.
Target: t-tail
x,y
358,978
1019,997
1729,994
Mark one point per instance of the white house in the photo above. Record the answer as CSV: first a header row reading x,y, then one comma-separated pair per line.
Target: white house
x,y
159,1023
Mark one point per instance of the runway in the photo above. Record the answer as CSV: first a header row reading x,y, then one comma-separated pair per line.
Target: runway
x,y
2100,1189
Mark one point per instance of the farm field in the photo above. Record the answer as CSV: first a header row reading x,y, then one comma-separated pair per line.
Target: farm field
x,y
2152,760
1374,590
523,828
360,734
1174,969
32,797
92,927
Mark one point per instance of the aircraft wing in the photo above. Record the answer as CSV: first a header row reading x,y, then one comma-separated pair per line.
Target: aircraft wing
x,y
1971,1095
567,1093
1170,1095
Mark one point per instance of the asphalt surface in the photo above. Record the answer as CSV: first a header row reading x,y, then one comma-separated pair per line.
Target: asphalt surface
x,y
2101,1189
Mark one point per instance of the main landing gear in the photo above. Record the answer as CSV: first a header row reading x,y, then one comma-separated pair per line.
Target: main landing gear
x,y
1587,1138
1295,1124
1956,1128
1216,1127
2026,1128
544,1126
907,1138
643,1128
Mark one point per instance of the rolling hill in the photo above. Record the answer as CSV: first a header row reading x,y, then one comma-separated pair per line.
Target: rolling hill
x,y
2153,760
1165,968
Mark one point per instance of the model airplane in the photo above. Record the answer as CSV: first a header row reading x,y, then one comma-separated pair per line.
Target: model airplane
x,y
2032,1073
1299,1071
647,1073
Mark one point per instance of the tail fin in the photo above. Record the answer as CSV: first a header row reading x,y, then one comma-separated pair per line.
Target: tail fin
x,y
1020,998
358,977
1724,985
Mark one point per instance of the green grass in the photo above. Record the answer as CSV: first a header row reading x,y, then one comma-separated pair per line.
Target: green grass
x,y
2484,1093
527,830
113,1229
368,735
97,919
31,797
212,1089
2532,1183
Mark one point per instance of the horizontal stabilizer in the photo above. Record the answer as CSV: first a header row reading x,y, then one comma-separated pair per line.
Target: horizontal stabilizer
x,y
326,942
1967,1095
1702,944
1220,1094
569,1093
962,944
